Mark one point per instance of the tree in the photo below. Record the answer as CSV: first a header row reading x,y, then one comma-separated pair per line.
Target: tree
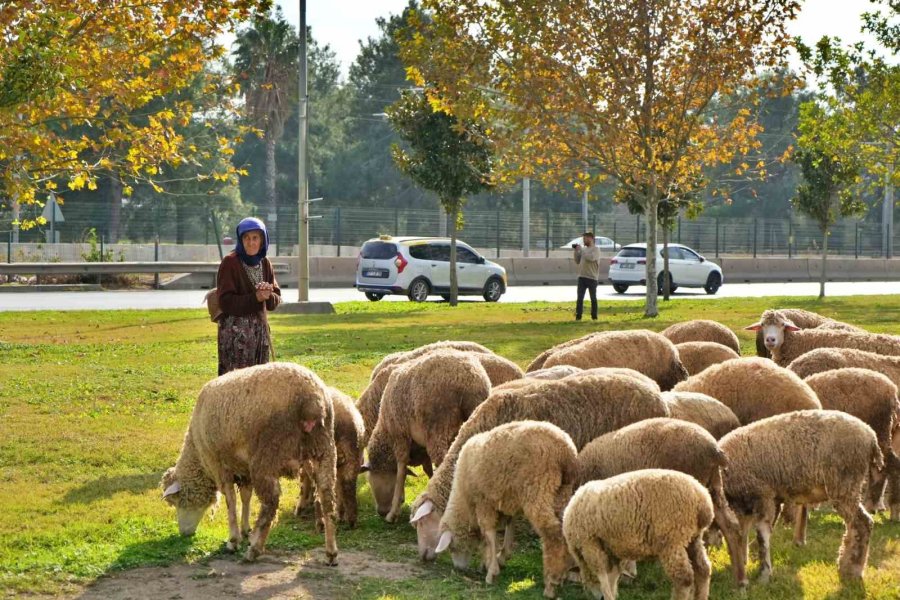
x,y
445,155
266,60
830,167
93,67
613,87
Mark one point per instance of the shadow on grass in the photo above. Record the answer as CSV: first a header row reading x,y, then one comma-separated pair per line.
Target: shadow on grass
x,y
105,487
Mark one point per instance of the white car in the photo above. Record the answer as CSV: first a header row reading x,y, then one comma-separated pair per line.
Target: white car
x,y
687,268
604,243
418,267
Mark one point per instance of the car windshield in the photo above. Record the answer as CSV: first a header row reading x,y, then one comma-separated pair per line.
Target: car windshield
x,y
633,253
378,249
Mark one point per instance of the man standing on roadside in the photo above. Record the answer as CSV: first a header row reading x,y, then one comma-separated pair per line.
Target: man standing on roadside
x,y
588,261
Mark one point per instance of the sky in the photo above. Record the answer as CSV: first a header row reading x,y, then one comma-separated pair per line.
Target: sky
x,y
343,23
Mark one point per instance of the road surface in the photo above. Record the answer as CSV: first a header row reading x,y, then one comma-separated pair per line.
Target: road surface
x,y
147,299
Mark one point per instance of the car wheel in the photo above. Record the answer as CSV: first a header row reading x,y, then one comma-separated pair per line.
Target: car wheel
x,y
418,290
620,288
713,283
374,297
446,297
660,283
493,289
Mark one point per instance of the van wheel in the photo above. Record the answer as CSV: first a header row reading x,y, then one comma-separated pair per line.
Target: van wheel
x,y
493,289
713,283
418,290
374,297
620,288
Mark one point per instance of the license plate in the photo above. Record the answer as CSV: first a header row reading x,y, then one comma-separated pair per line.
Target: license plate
x,y
375,273
627,265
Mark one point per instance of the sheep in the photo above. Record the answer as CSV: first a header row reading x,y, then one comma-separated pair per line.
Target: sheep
x,y
827,359
349,432
636,515
425,402
525,467
872,398
252,426
703,410
499,370
753,388
802,457
557,372
643,350
786,341
803,319
560,372
696,356
702,330
584,405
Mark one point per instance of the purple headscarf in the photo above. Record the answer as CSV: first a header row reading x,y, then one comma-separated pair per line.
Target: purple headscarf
x,y
251,224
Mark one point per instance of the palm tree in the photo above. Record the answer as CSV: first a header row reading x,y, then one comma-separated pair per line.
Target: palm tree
x,y
266,61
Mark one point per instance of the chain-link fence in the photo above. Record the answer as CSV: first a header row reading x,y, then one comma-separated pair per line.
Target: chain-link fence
x,y
133,232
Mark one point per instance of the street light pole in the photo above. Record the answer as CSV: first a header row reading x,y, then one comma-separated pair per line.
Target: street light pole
x,y
303,186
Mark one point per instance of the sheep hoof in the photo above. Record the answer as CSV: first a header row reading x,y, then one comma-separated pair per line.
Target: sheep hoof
x,y
799,543
331,559
252,554
391,517
550,591
764,576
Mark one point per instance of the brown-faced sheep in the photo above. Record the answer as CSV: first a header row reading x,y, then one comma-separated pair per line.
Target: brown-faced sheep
x,y
349,433
702,330
753,388
584,405
828,359
872,398
803,457
523,467
425,402
786,341
697,356
803,319
255,425
643,350
641,514
705,411
662,443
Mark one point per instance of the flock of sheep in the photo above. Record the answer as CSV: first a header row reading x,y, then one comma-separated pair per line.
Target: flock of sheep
x,y
615,447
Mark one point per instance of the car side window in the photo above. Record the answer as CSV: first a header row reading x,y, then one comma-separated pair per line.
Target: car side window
x,y
439,252
675,254
421,251
690,255
464,255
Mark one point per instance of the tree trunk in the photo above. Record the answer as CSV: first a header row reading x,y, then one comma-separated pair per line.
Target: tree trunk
x,y
666,276
114,224
271,200
454,284
652,205
824,256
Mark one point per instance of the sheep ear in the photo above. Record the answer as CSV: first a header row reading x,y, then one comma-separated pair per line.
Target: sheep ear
x,y
755,327
424,510
172,489
790,327
444,542
410,472
365,467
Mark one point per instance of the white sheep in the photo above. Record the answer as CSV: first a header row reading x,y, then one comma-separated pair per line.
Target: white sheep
x,y
697,356
252,426
522,467
641,514
704,410
803,319
702,330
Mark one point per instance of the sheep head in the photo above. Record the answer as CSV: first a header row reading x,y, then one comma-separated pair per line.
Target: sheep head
x,y
190,497
427,521
773,325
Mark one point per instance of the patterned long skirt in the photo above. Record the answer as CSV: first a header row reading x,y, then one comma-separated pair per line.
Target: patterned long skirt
x,y
243,342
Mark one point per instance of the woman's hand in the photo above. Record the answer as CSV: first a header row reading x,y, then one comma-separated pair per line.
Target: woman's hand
x,y
264,291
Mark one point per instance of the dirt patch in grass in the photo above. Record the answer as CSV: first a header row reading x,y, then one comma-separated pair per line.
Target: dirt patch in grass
x,y
274,576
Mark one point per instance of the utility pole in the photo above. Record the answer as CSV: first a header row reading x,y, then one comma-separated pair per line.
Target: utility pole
x,y
584,210
887,214
303,187
526,216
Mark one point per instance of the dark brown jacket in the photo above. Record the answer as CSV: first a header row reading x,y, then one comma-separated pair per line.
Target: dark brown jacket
x,y
237,296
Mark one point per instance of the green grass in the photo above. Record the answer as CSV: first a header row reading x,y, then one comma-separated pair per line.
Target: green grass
x,y
93,407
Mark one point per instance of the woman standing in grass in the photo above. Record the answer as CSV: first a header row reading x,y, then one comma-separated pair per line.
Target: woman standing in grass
x,y
246,289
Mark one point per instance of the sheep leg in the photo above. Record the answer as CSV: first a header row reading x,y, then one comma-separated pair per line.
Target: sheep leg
x,y
234,534
702,568
347,498
325,474
509,542
487,523
892,471
724,517
738,550
268,490
854,552
764,540
543,518
246,494
801,520
305,500
677,565
599,571
400,483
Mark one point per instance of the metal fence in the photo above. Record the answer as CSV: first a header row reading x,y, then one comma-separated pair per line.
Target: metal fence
x,y
495,232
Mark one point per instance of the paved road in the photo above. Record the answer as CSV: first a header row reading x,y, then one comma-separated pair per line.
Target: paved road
x,y
193,298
